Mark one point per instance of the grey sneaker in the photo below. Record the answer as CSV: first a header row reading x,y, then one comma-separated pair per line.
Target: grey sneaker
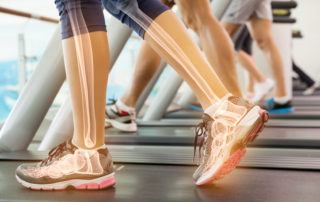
x,y
222,136
68,166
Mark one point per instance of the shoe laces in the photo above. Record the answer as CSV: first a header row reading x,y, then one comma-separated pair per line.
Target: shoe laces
x,y
56,152
223,122
201,132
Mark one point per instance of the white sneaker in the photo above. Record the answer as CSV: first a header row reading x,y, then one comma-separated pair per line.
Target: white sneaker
x,y
121,117
222,136
312,89
262,89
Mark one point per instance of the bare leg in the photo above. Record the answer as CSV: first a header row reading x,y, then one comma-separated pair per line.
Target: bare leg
x,y
215,41
247,62
250,87
147,64
261,32
100,53
198,73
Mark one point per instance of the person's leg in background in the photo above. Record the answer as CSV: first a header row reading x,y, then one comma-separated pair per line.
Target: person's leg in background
x,y
122,114
261,84
147,64
84,162
311,84
215,42
260,16
261,32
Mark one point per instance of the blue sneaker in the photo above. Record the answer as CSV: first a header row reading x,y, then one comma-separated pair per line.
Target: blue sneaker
x,y
275,108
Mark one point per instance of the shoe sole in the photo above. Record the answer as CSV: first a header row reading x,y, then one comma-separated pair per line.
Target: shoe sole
x,y
80,184
234,159
122,126
281,111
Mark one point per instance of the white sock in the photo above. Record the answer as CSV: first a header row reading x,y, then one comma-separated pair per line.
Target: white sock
x,y
124,107
282,100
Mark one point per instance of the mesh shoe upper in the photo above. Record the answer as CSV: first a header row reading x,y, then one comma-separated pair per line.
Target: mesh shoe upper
x,y
67,162
216,130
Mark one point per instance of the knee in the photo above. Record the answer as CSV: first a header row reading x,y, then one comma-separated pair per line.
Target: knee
x,y
264,42
190,22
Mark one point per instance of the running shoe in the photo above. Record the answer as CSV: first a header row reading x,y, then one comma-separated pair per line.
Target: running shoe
x,y
222,136
261,90
276,108
119,117
68,166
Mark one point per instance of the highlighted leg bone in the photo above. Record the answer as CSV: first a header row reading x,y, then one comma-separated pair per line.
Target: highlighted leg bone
x,y
86,74
159,35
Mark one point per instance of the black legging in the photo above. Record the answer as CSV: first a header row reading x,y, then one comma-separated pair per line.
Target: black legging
x,y
243,40
302,75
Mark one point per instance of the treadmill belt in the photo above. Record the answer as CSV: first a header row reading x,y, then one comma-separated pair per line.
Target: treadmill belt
x,y
285,123
183,155
140,183
297,114
184,136
306,101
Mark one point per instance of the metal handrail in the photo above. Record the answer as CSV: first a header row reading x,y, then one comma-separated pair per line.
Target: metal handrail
x,y
27,15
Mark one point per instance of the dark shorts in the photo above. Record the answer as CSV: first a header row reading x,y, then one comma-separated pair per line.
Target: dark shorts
x,y
92,12
243,41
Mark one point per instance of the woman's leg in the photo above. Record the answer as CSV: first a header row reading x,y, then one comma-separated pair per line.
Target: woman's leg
x,y
85,163
232,112
86,56
168,37
197,71
215,41
88,123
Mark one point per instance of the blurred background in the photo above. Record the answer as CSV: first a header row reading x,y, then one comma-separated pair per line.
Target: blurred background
x,y
22,42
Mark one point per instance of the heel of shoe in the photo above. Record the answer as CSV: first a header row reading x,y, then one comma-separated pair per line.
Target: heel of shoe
x,y
259,125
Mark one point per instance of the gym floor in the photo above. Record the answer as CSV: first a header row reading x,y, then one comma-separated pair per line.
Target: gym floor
x,y
139,182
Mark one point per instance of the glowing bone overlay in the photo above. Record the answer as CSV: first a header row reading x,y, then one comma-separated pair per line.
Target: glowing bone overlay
x,y
86,65
81,162
86,74
163,39
223,130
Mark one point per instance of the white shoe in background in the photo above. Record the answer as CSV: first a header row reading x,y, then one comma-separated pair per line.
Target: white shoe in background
x,y
262,89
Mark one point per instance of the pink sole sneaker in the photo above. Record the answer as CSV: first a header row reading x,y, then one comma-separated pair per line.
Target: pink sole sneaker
x,y
103,185
235,158
79,184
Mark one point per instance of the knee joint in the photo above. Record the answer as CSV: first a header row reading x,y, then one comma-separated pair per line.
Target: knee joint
x,y
263,42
